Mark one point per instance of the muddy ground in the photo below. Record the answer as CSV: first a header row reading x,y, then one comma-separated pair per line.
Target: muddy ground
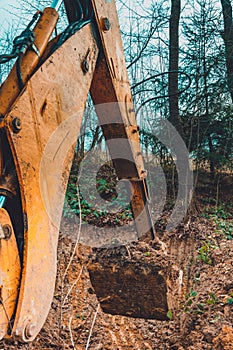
x,y
200,310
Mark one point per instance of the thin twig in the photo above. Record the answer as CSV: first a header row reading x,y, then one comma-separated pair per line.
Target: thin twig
x,y
77,239
70,330
71,288
128,251
92,326
72,257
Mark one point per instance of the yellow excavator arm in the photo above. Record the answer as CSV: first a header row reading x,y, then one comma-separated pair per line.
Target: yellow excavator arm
x,y
41,107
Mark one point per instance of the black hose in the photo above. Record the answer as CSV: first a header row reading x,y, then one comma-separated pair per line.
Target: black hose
x,y
18,71
7,57
21,44
84,15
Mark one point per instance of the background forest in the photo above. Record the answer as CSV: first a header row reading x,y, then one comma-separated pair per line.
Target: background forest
x,y
190,43
180,64
179,56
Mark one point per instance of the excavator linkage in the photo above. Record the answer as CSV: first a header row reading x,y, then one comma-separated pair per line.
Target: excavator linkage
x,y
42,102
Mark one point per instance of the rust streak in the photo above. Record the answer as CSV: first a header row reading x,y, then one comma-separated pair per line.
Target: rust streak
x,y
34,117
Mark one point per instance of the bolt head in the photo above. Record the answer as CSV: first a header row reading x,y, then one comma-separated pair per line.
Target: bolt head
x,y
85,66
29,330
105,23
7,230
16,124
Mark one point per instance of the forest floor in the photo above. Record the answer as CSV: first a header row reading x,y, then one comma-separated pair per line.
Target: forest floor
x,y
202,313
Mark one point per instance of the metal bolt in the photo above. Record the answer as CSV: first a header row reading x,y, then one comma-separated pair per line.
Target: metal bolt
x,y
106,25
16,124
85,66
7,230
29,330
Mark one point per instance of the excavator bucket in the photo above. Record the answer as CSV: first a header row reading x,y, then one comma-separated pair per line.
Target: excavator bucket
x,y
130,281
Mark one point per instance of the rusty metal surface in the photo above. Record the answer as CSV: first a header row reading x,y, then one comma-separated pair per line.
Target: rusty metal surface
x,y
112,45
10,89
110,86
9,272
50,111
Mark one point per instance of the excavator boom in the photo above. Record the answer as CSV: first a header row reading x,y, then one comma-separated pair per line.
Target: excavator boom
x,y
42,102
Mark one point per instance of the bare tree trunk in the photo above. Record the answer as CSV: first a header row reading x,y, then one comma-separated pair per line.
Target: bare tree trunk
x,y
228,40
173,65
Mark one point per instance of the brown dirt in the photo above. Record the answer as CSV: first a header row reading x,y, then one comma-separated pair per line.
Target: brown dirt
x,y
200,290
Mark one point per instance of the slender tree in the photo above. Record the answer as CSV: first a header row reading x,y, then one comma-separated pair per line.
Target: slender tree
x,y
228,40
173,65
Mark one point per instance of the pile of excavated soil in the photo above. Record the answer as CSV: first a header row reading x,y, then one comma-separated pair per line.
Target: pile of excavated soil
x,y
199,284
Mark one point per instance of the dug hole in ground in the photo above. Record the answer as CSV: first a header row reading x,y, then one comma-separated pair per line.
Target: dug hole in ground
x,y
197,276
